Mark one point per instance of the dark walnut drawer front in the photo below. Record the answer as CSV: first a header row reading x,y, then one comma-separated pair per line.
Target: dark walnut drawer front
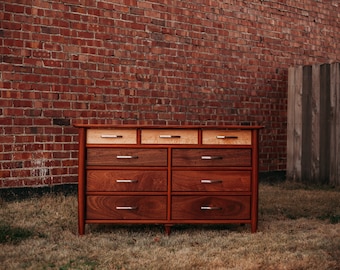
x,y
210,207
126,207
211,181
126,157
211,157
126,180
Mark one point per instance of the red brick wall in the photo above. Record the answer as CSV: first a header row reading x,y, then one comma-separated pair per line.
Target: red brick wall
x,y
148,62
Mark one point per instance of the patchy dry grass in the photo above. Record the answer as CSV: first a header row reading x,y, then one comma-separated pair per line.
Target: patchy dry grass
x,y
298,229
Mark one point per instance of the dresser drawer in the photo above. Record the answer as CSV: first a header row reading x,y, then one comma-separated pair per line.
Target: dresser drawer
x,y
210,207
127,156
226,137
111,136
169,136
211,157
211,181
126,207
126,180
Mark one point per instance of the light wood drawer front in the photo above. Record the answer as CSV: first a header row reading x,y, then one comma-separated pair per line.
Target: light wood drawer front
x,y
111,136
126,157
126,180
169,136
210,207
231,137
211,157
211,180
126,207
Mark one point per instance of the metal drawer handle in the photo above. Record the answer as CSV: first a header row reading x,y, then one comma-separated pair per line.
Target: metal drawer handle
x,y
226,137
211,157
126,181
169,136
208,181
210,208
127,157
126,207
108,136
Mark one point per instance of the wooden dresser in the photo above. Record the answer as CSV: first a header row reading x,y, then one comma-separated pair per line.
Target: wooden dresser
x,y
167,175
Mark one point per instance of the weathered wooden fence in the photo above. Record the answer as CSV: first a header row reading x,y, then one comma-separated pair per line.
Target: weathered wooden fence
x,y
313,131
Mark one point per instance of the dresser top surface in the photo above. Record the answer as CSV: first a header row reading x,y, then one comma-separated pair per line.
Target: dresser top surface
x,y
168,126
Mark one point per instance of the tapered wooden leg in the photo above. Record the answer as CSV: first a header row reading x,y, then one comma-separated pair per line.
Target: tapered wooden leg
x,y
81,228
167,229
254,227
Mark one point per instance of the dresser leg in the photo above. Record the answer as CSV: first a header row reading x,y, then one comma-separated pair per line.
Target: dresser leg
x,y
253,227
81,228
167,229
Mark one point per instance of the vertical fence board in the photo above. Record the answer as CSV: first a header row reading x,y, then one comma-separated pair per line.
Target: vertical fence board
x,y
297,138
324,123
315,166
306,132
335,124
313,129
337,135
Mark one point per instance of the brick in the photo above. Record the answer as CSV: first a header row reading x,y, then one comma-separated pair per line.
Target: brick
x,y
61,122
155,63
14,8
11,59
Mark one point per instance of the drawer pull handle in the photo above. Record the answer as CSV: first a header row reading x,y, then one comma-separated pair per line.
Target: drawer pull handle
x,y
108,136
211,157
210,208
126,207
169,136
126,181
207,181
127,157
226,137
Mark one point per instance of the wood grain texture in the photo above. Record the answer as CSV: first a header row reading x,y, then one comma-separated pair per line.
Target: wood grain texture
x,y
140,156
219,157
306,132
169,136
223,207
169,180
111,136
294,127
126,180
297,137
211,180
315,136
146,207
325,114
313,133
231,137
335,125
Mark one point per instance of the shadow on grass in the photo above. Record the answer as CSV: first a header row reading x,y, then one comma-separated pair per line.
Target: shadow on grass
x,y
13,235
160,229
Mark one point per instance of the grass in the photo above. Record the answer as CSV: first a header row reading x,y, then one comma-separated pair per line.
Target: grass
x,y
13,235
299,228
